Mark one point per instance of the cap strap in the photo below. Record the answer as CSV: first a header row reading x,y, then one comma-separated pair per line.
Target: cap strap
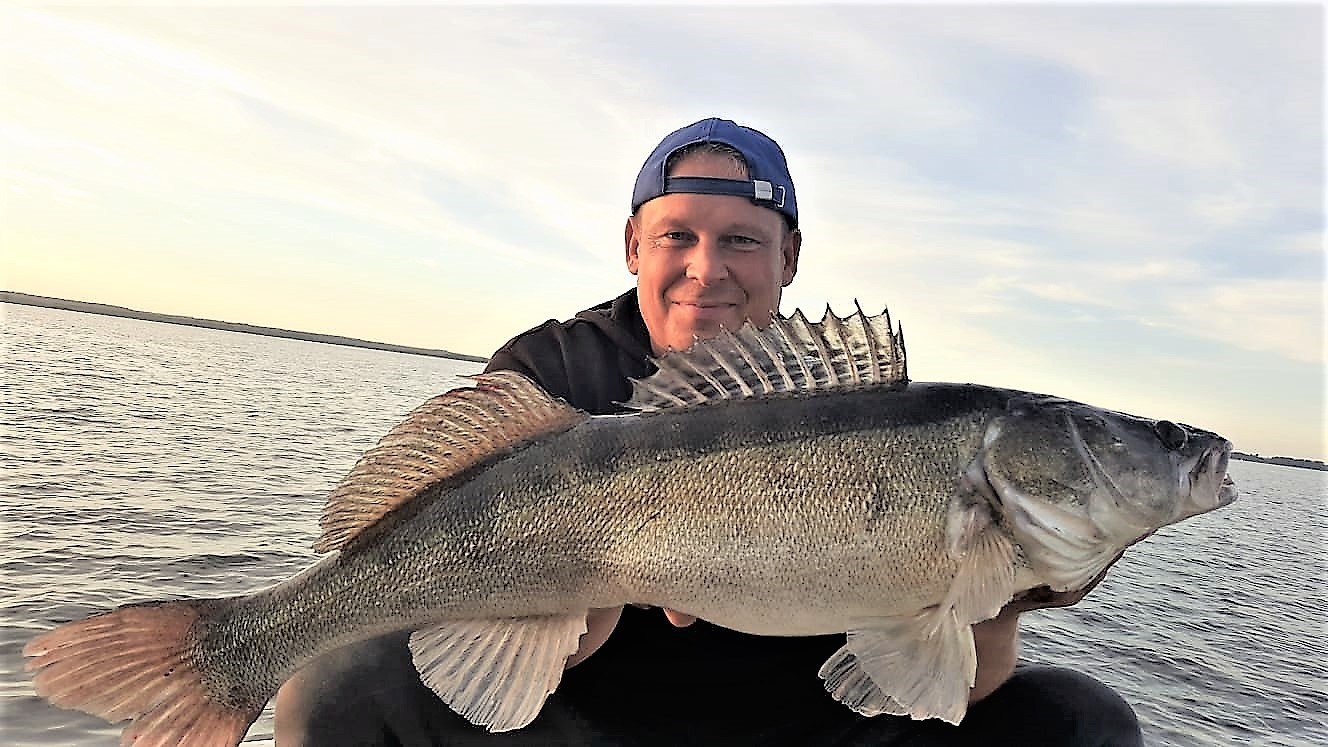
x,y
756,190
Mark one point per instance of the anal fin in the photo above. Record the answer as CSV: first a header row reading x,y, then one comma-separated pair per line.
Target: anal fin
x,y
496,673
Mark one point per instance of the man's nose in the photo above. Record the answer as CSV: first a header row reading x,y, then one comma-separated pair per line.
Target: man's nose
x,y
705,263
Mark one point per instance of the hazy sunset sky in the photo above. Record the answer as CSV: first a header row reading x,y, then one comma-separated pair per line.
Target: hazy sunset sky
x,y
1117,204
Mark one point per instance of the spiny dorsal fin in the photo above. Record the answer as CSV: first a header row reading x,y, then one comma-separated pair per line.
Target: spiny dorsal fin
x,y
441,438
790,355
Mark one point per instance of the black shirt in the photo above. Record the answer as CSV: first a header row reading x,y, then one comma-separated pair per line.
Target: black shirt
x,y
587,361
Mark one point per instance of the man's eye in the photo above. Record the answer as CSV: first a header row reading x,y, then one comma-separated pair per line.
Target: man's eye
x,y
743,242
676,235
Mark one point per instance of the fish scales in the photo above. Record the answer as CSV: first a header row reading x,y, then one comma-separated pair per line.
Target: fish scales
x,y
815,518
494,518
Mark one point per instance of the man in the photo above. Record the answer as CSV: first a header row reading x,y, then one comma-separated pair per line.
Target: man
x,y
713,239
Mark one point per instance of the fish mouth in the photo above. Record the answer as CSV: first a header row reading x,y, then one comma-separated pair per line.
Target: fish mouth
x,y
1226,494
1210,477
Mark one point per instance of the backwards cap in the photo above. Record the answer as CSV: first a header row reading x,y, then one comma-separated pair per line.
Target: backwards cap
x,y
769,184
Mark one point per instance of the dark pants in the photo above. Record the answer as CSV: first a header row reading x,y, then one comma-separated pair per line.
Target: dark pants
x,y
369,694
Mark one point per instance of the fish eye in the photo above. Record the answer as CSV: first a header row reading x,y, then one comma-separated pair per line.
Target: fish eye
x,y
1172,436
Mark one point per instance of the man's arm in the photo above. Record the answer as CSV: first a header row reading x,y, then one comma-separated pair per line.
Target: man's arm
x,y
997,639
997,644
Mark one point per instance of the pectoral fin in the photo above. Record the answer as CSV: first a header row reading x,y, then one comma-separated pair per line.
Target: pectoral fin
x,y
496,673
985,579
982,550
1064,546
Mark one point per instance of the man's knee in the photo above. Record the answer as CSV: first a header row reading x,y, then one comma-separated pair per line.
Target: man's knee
x,y
1074,707
336,699
292,711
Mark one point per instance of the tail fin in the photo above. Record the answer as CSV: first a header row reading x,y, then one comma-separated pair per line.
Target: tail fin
x,y
137,662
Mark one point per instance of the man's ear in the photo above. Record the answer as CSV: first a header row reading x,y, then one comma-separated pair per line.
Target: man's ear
x,y
791,249
633,245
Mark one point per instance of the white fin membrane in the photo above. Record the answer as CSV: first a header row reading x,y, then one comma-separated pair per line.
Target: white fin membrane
x,y
790,355
496,673
926,662
984,551
850,685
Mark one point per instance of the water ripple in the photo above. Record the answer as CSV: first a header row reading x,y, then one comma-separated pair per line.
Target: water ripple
x,y
155,461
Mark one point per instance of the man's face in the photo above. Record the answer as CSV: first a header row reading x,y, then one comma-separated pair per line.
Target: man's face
x,y
707,262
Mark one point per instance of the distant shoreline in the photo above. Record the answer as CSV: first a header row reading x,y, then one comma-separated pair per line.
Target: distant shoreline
x,y
28,299
1281,461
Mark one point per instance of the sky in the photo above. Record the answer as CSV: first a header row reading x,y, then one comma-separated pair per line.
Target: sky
x,y
1120,204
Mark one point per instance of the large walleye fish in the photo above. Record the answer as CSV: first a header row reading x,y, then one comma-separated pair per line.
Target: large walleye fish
x,y
786,481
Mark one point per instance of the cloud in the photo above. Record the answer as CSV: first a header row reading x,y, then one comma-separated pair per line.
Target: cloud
x,y
1278,317
1140,171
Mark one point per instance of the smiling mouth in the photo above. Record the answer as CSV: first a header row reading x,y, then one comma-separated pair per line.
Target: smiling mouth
x,y
707,310
705,304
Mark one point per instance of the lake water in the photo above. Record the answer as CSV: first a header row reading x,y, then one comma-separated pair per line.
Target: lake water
x,y
142,461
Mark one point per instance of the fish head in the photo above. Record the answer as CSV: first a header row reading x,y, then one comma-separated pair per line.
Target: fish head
x,y
1109,474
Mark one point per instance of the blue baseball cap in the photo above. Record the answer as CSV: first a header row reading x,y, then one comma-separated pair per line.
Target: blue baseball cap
x,y
769,184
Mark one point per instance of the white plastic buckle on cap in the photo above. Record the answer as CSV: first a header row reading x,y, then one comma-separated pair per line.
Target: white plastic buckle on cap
x,y
765,191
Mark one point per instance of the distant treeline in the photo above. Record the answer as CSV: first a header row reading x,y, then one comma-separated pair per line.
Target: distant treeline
x,y
27,299
1284,461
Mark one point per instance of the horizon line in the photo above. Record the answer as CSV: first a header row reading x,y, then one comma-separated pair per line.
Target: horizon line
x,y
105,309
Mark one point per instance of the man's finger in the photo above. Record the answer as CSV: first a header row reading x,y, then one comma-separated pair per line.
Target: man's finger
x,y
680,619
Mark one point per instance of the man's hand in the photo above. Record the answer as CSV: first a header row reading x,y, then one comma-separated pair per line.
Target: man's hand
x,y
1043,597
599,624
997,639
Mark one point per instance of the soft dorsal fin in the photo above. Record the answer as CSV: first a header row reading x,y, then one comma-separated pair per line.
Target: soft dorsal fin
x,y
441,438
790,355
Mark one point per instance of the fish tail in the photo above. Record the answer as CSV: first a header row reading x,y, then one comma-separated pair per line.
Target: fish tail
x,y
140,662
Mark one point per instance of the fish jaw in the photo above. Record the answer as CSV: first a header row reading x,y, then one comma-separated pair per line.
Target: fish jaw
x,y
1210,485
